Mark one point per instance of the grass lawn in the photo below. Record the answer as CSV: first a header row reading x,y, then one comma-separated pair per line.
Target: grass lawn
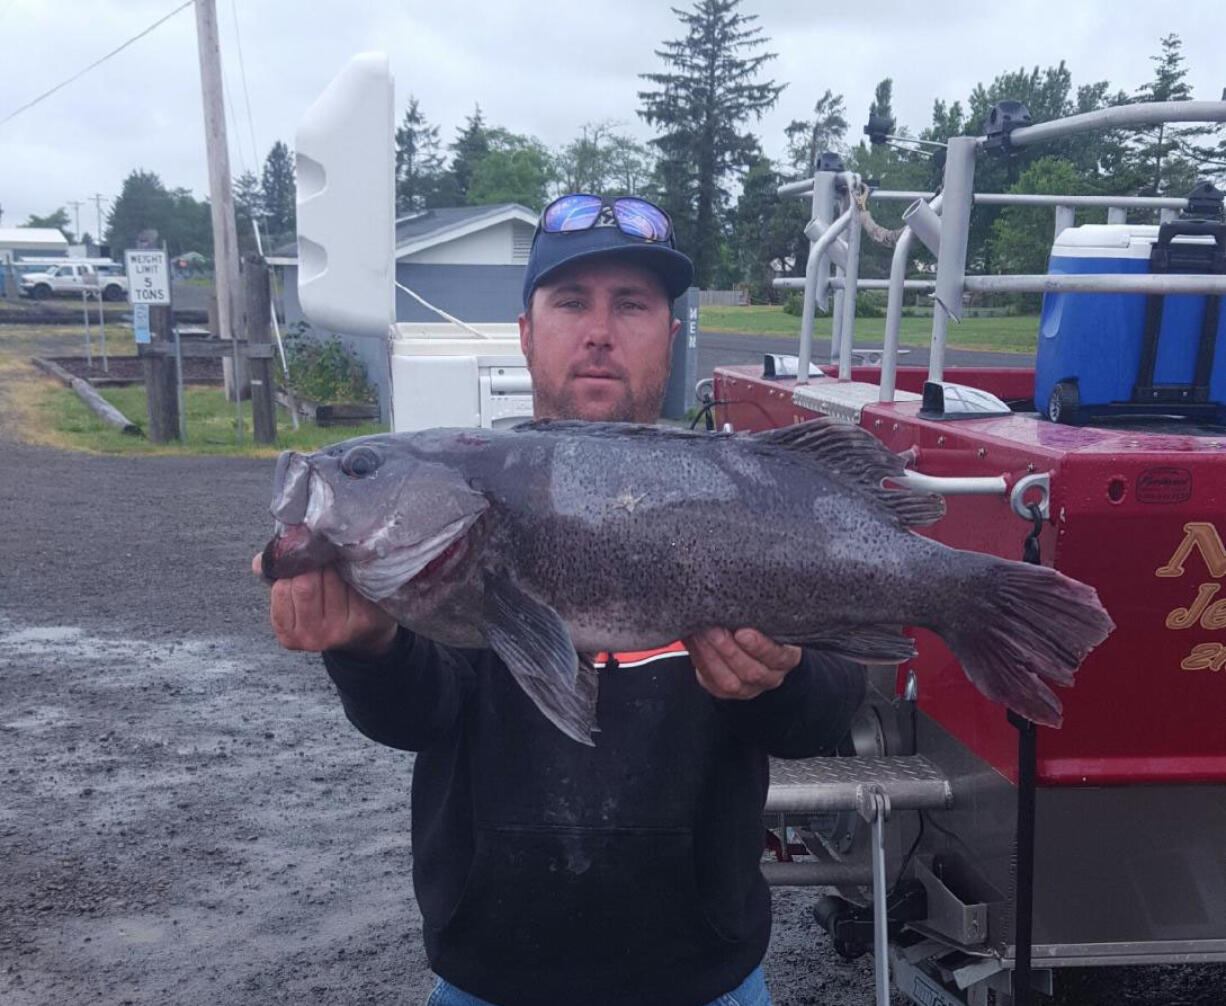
x,y
61,419
41,410
1006,335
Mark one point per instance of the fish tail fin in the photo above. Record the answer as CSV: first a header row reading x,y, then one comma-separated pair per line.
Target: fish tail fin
x,y
1024,626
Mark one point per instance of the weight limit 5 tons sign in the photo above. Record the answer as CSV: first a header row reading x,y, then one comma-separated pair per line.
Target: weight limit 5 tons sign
x,y
148,277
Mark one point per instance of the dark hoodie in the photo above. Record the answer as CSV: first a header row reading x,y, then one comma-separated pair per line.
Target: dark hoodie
x,y
552,873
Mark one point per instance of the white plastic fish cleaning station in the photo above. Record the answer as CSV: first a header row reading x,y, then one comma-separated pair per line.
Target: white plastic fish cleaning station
x,y
928,828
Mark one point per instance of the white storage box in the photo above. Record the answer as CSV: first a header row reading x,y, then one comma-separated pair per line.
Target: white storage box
x,y
443,375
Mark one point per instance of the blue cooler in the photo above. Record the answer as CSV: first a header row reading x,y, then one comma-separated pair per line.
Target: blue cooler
x,y
1128,354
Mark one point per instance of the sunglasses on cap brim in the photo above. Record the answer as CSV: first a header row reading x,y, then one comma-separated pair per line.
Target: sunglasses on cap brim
x,y
629,214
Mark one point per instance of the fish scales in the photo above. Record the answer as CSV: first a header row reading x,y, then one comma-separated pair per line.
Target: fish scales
x,y
558,539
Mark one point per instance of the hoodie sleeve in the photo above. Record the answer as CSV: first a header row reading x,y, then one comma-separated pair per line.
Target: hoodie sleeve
x,y
809,713
408,698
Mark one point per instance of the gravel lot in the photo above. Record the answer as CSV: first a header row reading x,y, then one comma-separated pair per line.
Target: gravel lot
x,y
187,816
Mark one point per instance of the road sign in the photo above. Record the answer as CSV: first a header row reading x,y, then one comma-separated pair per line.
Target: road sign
x,y
148,276
140,323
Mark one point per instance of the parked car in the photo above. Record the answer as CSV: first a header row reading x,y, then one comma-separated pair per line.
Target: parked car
x,y
107,278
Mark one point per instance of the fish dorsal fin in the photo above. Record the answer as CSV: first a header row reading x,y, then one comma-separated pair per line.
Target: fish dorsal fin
x,y
859,458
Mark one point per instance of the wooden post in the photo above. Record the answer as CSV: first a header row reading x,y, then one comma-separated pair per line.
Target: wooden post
x,y
221,192
160,390
257,318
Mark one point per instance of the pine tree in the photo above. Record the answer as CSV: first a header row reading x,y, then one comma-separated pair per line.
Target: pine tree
x,y
708,91
471,146
418,162
1156,152
825,131
277,192
248,208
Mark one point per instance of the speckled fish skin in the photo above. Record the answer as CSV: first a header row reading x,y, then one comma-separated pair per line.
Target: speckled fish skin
x,y
638,536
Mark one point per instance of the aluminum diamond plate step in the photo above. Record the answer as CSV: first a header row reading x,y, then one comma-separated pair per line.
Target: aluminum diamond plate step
x,y
843,399
911,782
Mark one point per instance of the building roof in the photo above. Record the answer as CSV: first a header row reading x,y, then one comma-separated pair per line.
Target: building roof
x,y
417,231
42,238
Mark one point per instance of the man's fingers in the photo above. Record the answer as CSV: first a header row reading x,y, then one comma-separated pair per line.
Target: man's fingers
x,y
257,564
776,656
713,671
281,612
743,664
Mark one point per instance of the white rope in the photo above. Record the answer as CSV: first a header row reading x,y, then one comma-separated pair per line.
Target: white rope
x,y
440,312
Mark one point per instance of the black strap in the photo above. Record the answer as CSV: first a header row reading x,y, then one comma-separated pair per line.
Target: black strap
x,y
1027,758
1166,257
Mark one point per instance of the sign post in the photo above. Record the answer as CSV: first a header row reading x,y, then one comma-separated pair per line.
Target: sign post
x,y
149,293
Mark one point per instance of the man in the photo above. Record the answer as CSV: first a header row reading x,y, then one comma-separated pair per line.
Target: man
x,y
549,873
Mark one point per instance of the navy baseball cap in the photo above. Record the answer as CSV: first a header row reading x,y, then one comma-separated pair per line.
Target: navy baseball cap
x,y
554,250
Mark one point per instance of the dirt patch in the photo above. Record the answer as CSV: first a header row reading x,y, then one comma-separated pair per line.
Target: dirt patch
x,y
130,369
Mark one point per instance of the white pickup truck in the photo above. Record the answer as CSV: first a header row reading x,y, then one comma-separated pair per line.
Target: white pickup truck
x,y
107,278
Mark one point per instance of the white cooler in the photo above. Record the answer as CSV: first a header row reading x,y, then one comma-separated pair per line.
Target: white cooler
x,y
445,376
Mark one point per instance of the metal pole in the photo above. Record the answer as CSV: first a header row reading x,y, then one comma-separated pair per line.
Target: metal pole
x,y
106,364
170,311
1066,216
955,229
276,329
1117,215
893,308
847,331
881,948
823,210
89,348
1138,114
816,253
221,194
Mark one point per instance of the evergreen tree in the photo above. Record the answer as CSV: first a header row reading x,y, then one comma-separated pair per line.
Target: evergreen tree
x,y
825,131
708,91
470,147
277,191
248,208
144,203
1157,152
53,221
418,162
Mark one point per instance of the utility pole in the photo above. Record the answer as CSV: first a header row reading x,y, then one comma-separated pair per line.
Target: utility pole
x,y
76,218
221,192
98,197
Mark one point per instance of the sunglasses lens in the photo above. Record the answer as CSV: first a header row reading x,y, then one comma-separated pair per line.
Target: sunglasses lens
x,y
570,213
642,219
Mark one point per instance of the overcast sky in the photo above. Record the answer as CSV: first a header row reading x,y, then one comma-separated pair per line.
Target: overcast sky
x,y
544,68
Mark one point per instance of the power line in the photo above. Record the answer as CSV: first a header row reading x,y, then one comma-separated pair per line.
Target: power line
x,y
95,63
255,150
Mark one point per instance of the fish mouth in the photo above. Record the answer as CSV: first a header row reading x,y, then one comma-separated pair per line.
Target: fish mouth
x,y
294,550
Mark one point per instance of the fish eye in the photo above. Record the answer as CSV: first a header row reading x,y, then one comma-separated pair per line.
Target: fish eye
x,y
360,461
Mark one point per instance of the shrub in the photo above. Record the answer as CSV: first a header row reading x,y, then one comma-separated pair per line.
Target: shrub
x,y
328,371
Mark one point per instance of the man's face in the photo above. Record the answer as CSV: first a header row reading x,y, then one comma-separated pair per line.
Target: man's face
x,y
598,340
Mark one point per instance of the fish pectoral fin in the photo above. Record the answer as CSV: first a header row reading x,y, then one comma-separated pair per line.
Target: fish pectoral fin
x,y
869,644
532,641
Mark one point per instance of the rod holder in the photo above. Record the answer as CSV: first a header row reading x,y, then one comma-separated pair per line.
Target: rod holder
x,y
923,220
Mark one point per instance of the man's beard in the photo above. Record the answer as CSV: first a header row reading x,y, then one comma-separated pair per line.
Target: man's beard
x,y
564,403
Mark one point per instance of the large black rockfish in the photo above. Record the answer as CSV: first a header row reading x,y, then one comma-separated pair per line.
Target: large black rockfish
x,y
558,539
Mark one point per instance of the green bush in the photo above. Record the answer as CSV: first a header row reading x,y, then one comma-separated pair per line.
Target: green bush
x,y
794,303
326,372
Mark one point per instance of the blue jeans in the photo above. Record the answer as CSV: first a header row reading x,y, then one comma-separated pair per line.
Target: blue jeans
x,y
751,992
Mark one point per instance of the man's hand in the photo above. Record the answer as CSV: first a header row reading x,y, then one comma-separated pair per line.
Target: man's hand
x,y
319,611
739,665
